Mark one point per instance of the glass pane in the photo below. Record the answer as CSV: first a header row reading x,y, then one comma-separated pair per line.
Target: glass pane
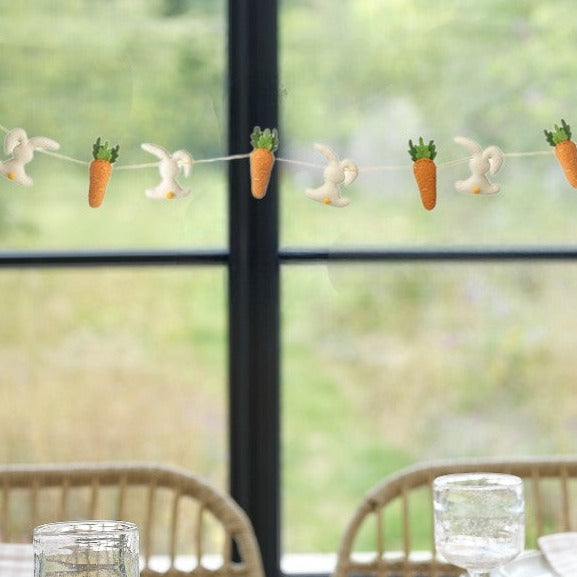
x,y
130,72
365,78
405,363
114,365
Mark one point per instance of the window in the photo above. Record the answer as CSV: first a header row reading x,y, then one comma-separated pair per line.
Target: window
x,y
102,317
417,315
410,335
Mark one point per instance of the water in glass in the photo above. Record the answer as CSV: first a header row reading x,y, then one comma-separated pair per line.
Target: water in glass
x,y
86,549
479,520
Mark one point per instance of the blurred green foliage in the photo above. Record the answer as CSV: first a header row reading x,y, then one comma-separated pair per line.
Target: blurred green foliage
x,y
127,71
118,65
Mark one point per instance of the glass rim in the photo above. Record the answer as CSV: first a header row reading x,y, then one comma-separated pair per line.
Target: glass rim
x,y
477,480
92,527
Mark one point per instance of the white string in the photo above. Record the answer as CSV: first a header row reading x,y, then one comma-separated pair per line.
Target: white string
x,y
382,168
453,162
194,161
136,166
63,157
221,158
300,162
145,165
521,154
285,160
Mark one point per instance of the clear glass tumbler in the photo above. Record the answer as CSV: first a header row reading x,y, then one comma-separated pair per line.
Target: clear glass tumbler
x,y
86,549
479,520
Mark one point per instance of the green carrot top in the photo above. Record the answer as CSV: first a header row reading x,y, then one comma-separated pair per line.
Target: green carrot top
x,y
267,138
559,134
104,151
422,150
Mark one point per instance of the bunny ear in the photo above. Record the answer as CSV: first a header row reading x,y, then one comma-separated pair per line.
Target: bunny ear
x,y
351,171
184,160
469,144
326,152
13,138
495,157
156,150
41,142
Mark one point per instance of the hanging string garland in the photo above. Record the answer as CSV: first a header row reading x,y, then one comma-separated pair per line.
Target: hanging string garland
x,y
336,173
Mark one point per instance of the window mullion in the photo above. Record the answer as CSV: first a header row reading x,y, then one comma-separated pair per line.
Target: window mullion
x,y
254,410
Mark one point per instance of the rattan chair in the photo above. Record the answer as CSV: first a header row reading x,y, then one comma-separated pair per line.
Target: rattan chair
x,y
396,515
187,527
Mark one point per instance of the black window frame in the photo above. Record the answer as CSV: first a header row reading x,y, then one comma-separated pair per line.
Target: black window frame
x,y
253,261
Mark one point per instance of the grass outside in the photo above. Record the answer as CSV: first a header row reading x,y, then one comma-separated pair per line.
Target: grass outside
x,y
87,355
474,361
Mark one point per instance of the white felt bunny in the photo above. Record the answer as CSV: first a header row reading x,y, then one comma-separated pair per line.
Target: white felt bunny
x,y
482,162
22,150
169,168
335,174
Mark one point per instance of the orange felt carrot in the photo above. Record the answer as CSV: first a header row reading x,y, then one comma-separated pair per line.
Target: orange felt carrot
x,y
565,150
425,171
265,143
100,171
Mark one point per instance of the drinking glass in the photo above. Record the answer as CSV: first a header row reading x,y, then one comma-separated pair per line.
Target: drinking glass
x,y
479,520
86,549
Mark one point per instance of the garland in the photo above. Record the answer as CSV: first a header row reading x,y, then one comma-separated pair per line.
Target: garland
x,y
483,163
